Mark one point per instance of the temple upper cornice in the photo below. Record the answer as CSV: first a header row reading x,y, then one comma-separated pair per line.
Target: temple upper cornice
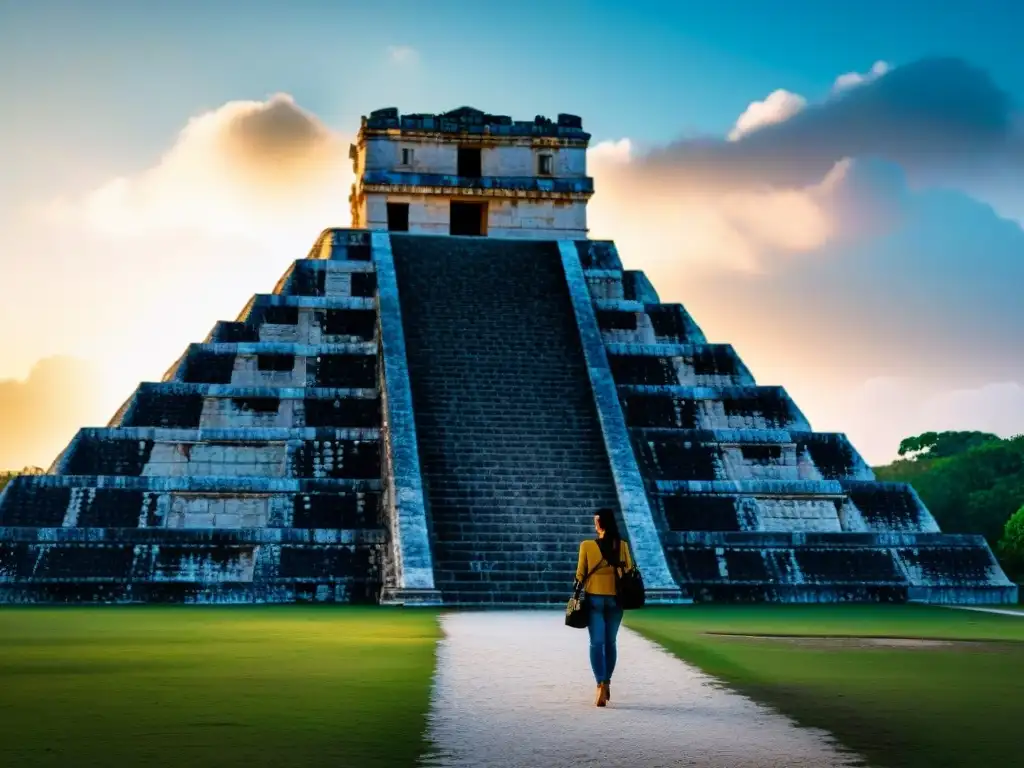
x,y
467,122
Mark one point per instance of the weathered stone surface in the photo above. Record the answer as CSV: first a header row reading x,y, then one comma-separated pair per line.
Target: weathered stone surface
x,y
528,180
411,568
252,473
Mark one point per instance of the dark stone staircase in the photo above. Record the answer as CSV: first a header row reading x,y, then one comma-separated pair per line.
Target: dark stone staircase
x,y
511,450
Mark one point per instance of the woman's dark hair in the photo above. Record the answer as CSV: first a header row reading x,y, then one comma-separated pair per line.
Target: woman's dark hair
x,y
609,543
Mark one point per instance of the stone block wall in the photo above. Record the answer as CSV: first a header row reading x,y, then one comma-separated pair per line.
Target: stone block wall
x,y
251,473
434,154
507,217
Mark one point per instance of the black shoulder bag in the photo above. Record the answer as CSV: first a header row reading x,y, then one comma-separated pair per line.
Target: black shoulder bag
x,y
577,610
629,586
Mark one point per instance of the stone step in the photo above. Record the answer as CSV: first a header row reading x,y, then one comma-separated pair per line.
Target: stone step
x,y
514,422
492,515
503,582
505,579
507,591
525,599
452,479
582,508
540,458
559,566
540,452
484,575
480,443
510,531
509,543
501,573
523,515
539,534
540,503
534,466
567,530
485,497
470,432
580,450
536,560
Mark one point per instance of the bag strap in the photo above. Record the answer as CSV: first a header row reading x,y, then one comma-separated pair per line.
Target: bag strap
x,y
586,578
591,571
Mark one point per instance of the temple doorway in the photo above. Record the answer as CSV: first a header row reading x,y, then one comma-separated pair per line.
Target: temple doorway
x,y
468,219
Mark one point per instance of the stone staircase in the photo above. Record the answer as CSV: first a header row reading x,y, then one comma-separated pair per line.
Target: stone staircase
x,y
511,449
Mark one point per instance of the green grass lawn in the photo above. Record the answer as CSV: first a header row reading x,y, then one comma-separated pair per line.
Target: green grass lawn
x,y
932,706
214,686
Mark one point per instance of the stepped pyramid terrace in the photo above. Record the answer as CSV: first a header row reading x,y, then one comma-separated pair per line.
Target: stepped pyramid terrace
x,y
429,406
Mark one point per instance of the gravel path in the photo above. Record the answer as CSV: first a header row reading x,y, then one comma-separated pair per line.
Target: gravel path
x,y
515,689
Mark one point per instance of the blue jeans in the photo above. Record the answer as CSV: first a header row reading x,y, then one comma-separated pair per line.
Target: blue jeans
x,y
603,625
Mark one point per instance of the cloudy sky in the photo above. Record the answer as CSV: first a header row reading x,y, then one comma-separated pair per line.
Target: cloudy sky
x,y
835,189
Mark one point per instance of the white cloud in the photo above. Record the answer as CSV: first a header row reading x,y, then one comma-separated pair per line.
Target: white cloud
x,y
682,221
853,79
779,106
403,54
690,217
40,413
248,165
895,408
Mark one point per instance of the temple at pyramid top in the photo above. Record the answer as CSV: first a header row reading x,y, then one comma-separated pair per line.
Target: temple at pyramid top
x,y
465,172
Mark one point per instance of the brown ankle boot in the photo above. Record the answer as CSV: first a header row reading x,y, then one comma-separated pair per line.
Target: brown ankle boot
x,y
607,691
600,700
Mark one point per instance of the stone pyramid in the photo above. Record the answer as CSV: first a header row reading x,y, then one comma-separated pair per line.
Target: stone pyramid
x,y
423,419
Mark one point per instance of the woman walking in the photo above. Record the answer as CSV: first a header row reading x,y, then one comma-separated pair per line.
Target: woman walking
x,y
599,559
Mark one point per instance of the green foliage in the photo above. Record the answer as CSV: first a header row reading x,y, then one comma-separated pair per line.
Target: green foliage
x,y
6,477
973,490
1011,546
1013,534
939,445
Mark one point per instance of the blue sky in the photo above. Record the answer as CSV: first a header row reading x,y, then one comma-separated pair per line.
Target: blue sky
x,y
118,75
877,289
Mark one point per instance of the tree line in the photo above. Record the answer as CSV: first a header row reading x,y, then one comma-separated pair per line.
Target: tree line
x,y
6,477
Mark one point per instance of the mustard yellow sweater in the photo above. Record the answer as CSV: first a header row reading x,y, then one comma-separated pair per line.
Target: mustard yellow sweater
x,y
602,580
